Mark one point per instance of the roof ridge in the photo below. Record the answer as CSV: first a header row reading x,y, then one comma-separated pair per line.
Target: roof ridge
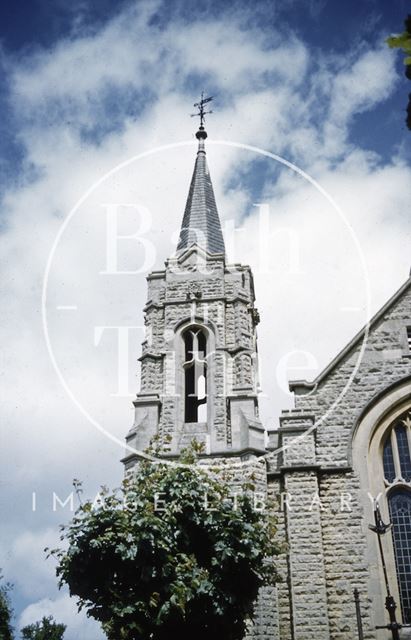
x,y
309,385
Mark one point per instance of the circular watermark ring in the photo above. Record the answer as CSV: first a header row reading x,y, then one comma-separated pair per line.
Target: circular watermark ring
x,y
145,154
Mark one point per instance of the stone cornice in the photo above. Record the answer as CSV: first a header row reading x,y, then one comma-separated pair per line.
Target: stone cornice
x,y
318,468
150,354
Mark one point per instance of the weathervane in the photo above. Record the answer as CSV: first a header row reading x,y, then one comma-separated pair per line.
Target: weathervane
x,y
201,109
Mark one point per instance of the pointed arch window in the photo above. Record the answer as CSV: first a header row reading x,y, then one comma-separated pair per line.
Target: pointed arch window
x,y
396,460
195,375
396,452
399,503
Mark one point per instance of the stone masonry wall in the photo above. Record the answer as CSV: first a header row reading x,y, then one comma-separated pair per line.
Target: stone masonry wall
x,y
385,361
336,536
199,289
345,558
307,576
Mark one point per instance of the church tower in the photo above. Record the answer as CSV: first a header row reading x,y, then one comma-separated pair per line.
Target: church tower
x,y
199,367
199,379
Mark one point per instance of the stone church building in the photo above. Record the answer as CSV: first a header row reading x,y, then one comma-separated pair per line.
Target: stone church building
x,y
327,460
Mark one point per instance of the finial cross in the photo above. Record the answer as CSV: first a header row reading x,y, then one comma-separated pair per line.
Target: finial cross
x,y
201,109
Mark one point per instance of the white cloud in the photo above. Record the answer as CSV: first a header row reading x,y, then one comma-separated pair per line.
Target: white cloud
x,y
368,80
248,53
273,94
63,609
77,68
26,562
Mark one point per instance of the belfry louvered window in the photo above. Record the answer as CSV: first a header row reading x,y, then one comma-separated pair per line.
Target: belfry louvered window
x,y
195,375
397,477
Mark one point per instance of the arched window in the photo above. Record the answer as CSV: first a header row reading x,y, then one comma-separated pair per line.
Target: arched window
x,y
397,478
399,501
195,375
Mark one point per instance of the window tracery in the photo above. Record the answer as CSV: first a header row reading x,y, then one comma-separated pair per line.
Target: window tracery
x,y
396,460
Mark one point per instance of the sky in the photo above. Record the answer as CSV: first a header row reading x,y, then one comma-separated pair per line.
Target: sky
x,y
96,100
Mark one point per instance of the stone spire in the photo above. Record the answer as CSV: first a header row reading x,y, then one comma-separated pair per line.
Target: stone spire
x,y
199,364
201,223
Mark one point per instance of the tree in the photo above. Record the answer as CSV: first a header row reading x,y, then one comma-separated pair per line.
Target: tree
x,y
6,613
47,629
170,554
403,41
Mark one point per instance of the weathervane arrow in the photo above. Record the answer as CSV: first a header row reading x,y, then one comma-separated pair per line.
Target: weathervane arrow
x,y
201,109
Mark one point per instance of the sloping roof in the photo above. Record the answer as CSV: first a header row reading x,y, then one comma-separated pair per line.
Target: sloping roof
x,y
201,223
304,386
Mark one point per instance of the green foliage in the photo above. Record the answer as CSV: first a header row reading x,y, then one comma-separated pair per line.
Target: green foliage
x,y
47,629
6,613
403,41
169,555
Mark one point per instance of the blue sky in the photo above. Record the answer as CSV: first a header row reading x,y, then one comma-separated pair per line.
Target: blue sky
x,y
89,85
323,25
